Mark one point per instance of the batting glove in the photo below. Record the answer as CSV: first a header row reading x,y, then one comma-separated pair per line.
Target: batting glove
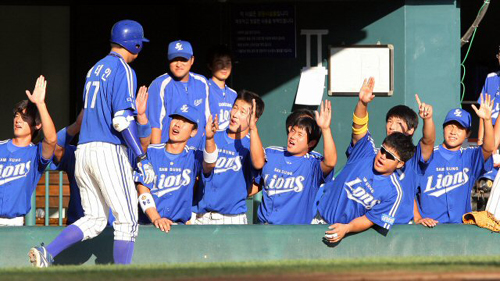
x,y
145,168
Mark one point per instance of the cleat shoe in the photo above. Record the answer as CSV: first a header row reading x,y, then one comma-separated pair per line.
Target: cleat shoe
x,y
39,257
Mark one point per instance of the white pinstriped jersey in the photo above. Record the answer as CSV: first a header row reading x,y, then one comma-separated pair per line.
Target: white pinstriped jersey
x,y
358,190
167,94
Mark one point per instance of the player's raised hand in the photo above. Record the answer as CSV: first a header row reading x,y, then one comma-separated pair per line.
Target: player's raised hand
x,y
212,126
163,224
366,92
252,117
425,111
324,117
38,95
141,100
486,107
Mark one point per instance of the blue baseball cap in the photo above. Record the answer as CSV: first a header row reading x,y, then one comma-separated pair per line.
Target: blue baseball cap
x,y
459,115
181,49
189,112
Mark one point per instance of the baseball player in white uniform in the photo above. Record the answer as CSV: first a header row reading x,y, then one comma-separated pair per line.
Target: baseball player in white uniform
x,y
103,171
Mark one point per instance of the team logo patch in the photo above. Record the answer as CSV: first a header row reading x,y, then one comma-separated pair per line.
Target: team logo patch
x,y
388,219
198,102
143,197
184,108
178,47
458,112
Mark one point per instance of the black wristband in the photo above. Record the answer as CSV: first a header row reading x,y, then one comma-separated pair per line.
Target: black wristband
x,y
141,157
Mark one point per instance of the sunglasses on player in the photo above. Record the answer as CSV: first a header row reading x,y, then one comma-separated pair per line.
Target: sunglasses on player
x,y
388,154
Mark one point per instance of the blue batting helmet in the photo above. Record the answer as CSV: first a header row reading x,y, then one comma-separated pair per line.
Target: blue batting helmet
x,y
128,34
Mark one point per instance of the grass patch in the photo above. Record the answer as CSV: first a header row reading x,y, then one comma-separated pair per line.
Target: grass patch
x,y
234,269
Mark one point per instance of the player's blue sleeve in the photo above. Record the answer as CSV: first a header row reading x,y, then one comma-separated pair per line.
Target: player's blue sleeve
x,y
155,104
41,162
384,213
417,162
365,147
67,161
124,88
478,165
63,140
130,134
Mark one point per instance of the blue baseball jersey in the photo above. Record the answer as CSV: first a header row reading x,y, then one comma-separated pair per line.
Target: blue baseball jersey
x,y
359,190
408,176
492,87
166,95
444,190
67,164
172,188
226,191
221,102
110,87
289,185
20,170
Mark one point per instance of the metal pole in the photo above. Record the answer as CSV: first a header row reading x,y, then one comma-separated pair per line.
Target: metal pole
x,y
60,198
47,193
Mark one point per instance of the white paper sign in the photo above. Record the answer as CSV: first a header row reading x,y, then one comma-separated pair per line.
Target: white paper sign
x,y
311,86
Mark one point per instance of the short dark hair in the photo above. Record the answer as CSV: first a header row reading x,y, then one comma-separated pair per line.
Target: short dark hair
x,y
217,52
30,116
310,126
248,96
402,144
302,112
404,112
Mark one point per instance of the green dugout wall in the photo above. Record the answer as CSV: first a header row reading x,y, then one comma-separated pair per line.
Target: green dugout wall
x,y
186,244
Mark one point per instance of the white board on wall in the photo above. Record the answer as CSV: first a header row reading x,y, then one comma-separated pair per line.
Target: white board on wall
x,y
350,65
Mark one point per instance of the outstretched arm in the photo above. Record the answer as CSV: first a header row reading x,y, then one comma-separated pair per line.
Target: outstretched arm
x,y
48,128
210,154
124,122
256,149
65,136
484,113
338,231
323,119
149,208
360,118
425,111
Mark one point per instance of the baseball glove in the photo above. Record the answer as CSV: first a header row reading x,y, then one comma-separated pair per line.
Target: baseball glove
x,y
482,219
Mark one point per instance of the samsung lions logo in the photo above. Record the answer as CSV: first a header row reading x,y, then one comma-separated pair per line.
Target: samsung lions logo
x,y
13,172
169,183
458,112
277,184
198,102
356,192
184,108
178,47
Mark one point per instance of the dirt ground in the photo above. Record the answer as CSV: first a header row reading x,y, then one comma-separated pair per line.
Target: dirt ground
x,y
379,276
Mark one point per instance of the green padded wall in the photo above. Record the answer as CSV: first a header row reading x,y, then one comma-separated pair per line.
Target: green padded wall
x,y
185,244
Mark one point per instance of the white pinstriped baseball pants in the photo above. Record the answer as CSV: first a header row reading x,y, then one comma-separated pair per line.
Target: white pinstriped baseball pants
x,y
104,176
